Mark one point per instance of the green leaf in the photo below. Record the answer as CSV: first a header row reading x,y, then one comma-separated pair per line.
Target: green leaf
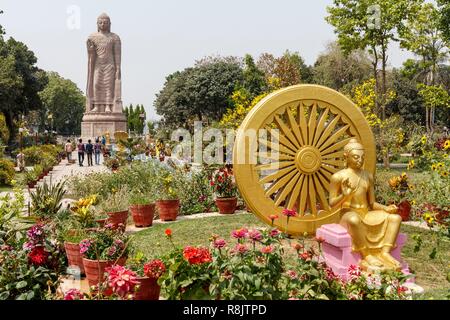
x,y
21,284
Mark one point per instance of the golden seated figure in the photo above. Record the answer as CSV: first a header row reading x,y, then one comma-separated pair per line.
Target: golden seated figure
x,y
373,227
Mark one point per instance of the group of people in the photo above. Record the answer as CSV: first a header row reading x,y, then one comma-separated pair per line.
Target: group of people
x,y
87,149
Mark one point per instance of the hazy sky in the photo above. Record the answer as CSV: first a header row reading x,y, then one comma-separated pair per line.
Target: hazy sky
x,y
161,37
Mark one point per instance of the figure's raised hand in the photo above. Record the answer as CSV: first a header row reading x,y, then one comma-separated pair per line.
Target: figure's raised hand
x,y
391,208
347,188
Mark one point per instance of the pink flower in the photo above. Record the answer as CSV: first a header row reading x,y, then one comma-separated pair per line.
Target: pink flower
x,y
354,272
73,294
273,217
330,274
274,233
319,239
84,245
255,235
219,243
289,213
267,249
121,280
240,248
292,274
240,233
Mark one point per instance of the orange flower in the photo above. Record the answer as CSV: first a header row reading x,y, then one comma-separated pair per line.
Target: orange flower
x,y
168,232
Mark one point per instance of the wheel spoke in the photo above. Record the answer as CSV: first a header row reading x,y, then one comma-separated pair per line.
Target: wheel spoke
x,y
287,132
312,123
276,175
275,156
334,155
312,196
278,147
334,137
320,192
303,197
280,183
329,128
286,190
326,173
302,122
336,146
295,128
330,169
274,165
320,126
294,195
337,163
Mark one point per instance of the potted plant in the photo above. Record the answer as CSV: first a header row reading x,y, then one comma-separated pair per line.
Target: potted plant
x,y
116,208
168,204
142,208
102,249
30,178
72,237
225,189
148,273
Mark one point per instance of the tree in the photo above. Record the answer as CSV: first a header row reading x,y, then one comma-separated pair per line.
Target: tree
x,y
289,69
65,101
434,96
199,93
339,71
372,25
24,79
2,31
422,36
254,79
444,19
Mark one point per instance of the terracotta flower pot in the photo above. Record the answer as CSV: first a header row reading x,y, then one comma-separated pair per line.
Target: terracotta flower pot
x,y
74,257
148,289
95,269
226,205
168,209
404,210
116,218
143,214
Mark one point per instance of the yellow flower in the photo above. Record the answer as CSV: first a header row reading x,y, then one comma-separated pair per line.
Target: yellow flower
x,y
433,167
447,144
444,174
424,140
413,202
445,155
440,165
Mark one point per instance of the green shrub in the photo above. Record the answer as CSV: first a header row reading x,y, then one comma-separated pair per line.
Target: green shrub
x,y
45,155
7,171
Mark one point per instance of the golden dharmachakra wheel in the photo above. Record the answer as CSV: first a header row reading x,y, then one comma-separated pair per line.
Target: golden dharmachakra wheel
x,y
307,127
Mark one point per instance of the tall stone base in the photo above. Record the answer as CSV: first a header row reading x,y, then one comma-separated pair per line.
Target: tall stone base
x,y
96,124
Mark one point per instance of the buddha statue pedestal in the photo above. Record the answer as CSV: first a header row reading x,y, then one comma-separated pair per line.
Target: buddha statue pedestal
x,y
337,250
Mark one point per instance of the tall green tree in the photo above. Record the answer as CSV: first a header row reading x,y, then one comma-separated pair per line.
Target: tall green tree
x,y
21,81
199,93
2,31
254,79
341,71
444,19
65,102
372,25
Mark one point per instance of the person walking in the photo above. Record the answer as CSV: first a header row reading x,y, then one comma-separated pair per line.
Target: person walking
x,y
68,149
97,151
89,152
81,149
103,141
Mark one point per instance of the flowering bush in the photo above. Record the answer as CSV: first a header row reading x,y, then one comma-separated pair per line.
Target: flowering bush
x,y
222,184
254,267
105,244
29,269
121,280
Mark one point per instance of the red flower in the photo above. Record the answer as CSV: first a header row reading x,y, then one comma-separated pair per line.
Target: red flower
x,y
267,249
168,232
319,239
197,255
305,256
289,212
38,256
211,183
154,269
273,217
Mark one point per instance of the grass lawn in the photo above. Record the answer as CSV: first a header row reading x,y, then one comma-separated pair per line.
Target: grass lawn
x,y
430,274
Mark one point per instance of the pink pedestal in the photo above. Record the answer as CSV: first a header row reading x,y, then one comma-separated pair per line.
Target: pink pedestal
x,y
337,249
